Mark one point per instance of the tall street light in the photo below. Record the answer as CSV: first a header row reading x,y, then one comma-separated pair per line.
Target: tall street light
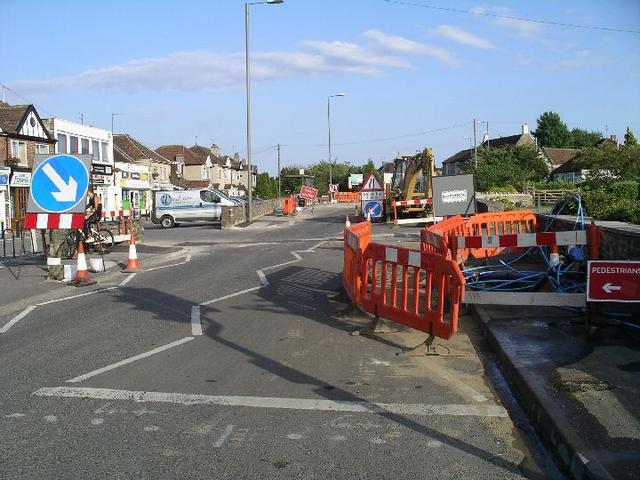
x,y
114,115
247,66
329,125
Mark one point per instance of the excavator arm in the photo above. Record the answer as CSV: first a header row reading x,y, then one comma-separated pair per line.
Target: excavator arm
x,y
412,177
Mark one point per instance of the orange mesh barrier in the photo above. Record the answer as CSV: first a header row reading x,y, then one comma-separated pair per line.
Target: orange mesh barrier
x,y
498,223
418,289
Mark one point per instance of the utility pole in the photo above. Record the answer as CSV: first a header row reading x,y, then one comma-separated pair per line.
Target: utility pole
x,y
82,118
475,143
279,171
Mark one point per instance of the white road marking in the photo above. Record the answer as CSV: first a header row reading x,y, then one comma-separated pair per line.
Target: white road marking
x,y
377,440
97,421
418,409
50,418
295,436
375,361
196,326
151,428
130,360
223,437
127,280
263,278
186,260
338,438
17,318
231,295
58,300
14,415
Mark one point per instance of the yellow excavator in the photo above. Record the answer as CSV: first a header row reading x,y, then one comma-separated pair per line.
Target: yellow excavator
x,y
411,181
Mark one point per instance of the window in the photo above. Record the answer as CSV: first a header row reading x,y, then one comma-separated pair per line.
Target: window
x,y
73,144
42,149
104,151
238,176
208,196
205,172
19,150
85,146
95,149
61,147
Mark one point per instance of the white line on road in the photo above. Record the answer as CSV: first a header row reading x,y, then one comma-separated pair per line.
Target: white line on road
x,y
17,318
418,409
186,260
263,278
223,437
130,360
231,295
75,296
127,280
196,326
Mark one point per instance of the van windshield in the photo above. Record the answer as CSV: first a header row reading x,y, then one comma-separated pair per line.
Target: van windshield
x,y
222,195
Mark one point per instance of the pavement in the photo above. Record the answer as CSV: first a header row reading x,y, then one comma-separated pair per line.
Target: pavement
x,y
579,384
228,358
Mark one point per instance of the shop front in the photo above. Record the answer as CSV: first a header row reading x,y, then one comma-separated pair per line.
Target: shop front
x,y
133,180
18,197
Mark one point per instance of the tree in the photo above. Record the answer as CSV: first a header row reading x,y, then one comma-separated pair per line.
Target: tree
x,y
512,166
610,163
367,168
266,186
552,131
583,138
290,184
630,138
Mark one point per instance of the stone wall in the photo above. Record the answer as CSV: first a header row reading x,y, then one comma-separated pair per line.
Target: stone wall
x,y
232,216
621,241
523,199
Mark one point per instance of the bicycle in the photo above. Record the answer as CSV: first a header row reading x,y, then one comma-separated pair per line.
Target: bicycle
x,y
99,240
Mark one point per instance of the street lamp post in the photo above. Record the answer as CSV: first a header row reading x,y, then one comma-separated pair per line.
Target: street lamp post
x,y
114,115
247,66
329,143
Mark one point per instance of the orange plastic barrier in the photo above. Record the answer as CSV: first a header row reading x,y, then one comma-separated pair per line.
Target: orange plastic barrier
x,y
437,238
346,197
356,239
288,205
418,289
497,223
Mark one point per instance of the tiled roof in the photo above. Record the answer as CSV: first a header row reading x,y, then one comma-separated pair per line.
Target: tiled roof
x,y
172,151
11,116
120,155
135,149
464,155
560,156
182,183
502,141
461,156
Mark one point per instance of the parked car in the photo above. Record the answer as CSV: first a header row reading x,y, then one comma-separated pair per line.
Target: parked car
x,y
175,206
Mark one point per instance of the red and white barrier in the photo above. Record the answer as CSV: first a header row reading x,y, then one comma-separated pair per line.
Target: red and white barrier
x,y
43,221
411,203
540,239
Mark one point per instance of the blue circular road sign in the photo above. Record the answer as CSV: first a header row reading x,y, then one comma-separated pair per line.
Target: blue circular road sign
x,y
59,183
374,207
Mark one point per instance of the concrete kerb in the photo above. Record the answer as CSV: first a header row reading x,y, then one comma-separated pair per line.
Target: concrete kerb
x,y
105,279
549,421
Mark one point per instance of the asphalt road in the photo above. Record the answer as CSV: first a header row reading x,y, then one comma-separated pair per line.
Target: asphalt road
x,y
232,362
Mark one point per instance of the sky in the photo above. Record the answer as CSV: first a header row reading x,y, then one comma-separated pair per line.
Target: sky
x,y
414,76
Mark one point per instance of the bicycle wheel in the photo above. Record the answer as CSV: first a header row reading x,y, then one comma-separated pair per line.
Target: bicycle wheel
x,y
67,248
103,241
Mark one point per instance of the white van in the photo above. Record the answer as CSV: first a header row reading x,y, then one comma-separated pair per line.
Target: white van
x,y
176,206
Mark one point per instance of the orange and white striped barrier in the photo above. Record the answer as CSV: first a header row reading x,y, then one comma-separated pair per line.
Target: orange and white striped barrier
x,y
409,203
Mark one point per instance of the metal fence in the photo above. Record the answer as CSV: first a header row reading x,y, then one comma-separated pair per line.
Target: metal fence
x,y
25,242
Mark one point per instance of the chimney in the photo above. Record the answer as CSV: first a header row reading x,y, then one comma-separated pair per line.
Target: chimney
x,y
215,150
614,138
525,129
236,157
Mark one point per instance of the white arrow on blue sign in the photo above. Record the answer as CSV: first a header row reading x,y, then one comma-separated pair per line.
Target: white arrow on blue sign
x,y
59,184
374,207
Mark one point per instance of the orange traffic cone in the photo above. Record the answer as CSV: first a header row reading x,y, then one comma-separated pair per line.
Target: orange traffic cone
x,y
347,223
132,264
82,274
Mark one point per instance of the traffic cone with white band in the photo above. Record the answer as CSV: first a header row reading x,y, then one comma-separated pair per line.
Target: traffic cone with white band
x,y
368,215
82,273
554,256
132,263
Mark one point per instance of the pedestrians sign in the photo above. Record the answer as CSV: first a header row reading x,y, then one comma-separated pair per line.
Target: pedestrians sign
x,y
59,184
613,281
374,208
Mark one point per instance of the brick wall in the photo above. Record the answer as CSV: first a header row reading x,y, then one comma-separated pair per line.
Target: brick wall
x,y
232,216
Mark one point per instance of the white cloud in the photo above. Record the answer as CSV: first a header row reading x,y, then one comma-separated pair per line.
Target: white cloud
x,y
397,44
203,70
581,58
518,28
462,36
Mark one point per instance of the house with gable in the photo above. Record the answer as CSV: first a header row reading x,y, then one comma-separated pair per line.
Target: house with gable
x,y
22,135
453,165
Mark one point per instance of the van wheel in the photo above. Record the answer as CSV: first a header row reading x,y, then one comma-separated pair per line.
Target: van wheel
x,y
167,222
